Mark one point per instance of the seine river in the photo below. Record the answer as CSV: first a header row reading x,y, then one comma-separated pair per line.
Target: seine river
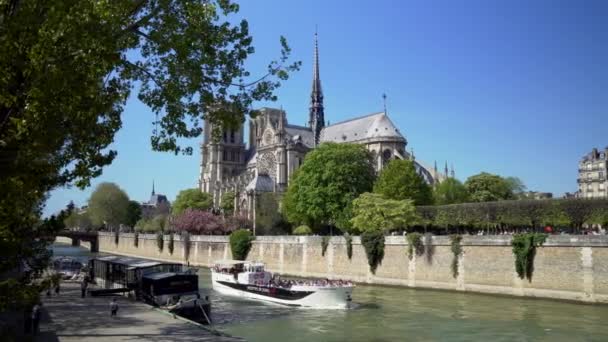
x,y
401,314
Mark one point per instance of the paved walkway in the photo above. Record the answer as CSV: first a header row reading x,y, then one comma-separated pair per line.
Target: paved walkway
x,y
68,317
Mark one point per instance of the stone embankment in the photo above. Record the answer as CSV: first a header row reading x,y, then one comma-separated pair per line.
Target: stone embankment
x,y
565,267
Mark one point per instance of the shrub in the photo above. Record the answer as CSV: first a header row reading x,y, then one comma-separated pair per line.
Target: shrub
x,y
414,245
116,237
457,251
160,241
349,246
170,244
302,230
524,249
324,244
240,243
373,242
136,239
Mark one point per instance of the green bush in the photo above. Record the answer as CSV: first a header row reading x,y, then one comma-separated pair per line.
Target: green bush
x,y
170,244
349,246
160,241
414,245
302,230
457,251
136,239
524,249
240,243
324,244
373,242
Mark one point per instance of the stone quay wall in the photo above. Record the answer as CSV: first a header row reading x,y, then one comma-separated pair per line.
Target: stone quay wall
x,y
565,267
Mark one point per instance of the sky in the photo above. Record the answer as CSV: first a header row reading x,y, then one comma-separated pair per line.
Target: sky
x,y
516,88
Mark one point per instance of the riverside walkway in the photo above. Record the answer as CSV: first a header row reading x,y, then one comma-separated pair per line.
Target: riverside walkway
x,y
68,317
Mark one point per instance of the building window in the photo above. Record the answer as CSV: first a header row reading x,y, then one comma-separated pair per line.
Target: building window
x,y
225,155
589,176
225,137
231,136
589,166
601,174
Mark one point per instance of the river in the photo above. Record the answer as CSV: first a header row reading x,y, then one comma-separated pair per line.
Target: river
x,y
401,314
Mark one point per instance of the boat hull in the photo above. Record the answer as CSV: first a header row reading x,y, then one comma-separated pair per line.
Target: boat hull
x,y
305,296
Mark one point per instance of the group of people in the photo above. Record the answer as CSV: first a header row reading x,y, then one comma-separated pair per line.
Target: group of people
x,y
288,283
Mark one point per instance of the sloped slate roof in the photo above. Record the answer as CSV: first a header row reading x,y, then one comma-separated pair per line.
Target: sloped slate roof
x,y
303,134
261,183
377,125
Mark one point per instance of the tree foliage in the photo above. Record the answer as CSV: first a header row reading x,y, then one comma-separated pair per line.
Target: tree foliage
x,y
322,189
199,222
450,191
133,213
79,220
399,181
414,245
374,212
517,214
68,67
486,187
240,243
108,205
302,230
191,199
153,225
227,204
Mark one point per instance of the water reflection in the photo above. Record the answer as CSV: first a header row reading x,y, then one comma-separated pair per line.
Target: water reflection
x,y
403,314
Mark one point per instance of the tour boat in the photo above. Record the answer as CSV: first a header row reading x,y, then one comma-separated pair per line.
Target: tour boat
x,y
166,285
249,279
67,267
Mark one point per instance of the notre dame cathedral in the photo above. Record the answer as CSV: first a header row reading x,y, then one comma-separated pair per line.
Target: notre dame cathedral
x,y
276,149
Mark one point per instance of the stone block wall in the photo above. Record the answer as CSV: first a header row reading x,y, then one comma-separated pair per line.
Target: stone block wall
x,y
565,267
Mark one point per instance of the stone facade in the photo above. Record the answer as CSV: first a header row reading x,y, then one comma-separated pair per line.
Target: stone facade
x,y
565,267
277,148
592,175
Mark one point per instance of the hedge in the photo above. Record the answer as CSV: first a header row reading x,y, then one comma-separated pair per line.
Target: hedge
x,y
517,214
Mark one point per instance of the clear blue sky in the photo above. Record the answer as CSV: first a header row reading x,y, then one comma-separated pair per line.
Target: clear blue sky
x,y
517,88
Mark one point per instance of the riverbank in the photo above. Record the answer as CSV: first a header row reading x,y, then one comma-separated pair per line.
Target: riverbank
x,y
566,267
68,317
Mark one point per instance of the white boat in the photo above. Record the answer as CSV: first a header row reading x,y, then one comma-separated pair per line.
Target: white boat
x,y
249,279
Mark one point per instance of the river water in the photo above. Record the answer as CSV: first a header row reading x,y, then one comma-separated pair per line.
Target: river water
x,y
401,314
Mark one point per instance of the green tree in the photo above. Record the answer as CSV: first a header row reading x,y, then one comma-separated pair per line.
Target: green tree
x,y
81,221
517,186
67,69
399,180
486,187
227,204
133,213
374,212
450,191
322,189
191,199
108,205
153,225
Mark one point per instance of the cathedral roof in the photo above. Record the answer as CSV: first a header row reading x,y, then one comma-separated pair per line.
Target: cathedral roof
x,y
373,126
303,134
261,183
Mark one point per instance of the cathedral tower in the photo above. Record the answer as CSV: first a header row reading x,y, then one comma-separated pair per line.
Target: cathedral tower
x,y
316,115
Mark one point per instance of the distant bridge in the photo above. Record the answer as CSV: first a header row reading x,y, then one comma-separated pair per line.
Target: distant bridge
x,y
78,236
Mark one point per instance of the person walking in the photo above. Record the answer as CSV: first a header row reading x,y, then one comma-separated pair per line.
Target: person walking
x,y
36,318
113,307
83,287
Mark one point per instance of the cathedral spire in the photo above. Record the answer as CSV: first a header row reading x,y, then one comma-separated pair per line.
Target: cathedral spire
x,y
452,173
446,169
316,114
153,193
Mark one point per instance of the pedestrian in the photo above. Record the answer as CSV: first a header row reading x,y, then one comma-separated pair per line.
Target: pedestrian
x,y
83,287
113,307
36,318
57,288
